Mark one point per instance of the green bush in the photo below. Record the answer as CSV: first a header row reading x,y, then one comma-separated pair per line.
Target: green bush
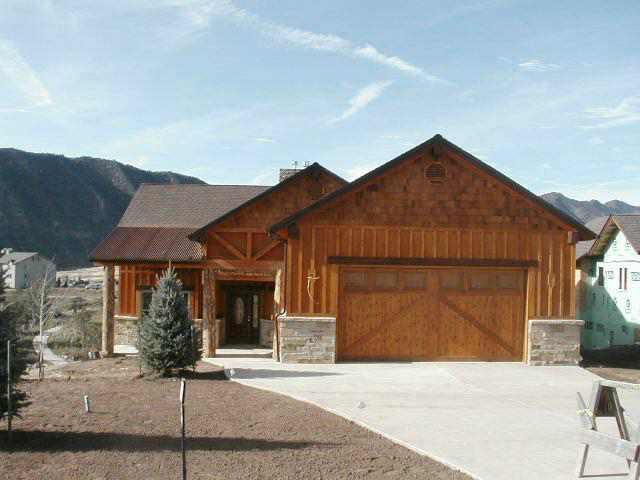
x,y
9,331
167,338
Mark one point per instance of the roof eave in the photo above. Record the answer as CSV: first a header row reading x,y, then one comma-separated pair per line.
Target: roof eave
x,y
584,232
199,234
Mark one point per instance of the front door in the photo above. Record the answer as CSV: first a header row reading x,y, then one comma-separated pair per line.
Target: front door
x,y
242,324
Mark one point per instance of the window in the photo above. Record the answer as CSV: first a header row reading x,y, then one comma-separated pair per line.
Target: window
x,y
482,280
588,325
386,280
415,280
622,279
355,281
145,300
510,280
452,280
601,276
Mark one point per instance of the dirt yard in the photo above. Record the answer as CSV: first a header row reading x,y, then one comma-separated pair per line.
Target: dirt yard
x,y
233,432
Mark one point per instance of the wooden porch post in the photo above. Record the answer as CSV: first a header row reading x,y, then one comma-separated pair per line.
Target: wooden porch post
x,y
108,307
209,327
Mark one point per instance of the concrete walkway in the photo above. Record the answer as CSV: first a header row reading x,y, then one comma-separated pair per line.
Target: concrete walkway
x,y
48,355
493,421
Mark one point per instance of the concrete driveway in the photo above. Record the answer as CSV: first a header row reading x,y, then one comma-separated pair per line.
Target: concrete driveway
x,y
491,420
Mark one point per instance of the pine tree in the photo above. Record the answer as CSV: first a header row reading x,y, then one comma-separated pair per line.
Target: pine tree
x,y
8,331
167,340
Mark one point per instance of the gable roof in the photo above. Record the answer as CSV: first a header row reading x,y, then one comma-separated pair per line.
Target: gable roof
x,y
437,140
160,218
16,257
184,206
595,225
314,167
628,224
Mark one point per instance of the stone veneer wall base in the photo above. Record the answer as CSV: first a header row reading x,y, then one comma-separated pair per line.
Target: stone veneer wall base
x,y
554,342
307,339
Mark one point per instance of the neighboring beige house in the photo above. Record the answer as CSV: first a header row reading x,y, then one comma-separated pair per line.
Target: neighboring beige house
x,y
21,269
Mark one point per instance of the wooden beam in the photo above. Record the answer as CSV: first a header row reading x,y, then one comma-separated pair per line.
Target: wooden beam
x,y
228,246
263,251
258,265
108,307
616,446
433,262
209,330
249,245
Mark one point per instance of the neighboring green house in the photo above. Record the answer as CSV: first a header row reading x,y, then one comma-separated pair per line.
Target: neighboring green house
x,y
609,284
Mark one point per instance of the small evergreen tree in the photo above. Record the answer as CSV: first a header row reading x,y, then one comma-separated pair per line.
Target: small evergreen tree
x,y
9,331
167,339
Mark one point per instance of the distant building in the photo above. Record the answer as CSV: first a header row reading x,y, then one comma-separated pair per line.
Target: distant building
x,y
609,284
21,269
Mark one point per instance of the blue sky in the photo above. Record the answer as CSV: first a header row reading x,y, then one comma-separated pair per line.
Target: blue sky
x,y
229,91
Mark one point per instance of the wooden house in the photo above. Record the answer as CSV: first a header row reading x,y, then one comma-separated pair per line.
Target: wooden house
x,y
434,255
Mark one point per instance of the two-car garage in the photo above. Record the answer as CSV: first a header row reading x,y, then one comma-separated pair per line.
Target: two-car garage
x,y
404,313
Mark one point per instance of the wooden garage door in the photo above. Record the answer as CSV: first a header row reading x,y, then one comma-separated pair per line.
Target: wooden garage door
x,y
429,314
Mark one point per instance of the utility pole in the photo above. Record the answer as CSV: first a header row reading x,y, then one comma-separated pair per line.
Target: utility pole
x,y
9,388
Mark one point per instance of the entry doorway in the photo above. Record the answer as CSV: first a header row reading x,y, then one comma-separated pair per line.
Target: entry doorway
x,y
243,316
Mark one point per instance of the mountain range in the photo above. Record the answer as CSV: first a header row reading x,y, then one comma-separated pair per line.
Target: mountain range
x,y
62,207
588,210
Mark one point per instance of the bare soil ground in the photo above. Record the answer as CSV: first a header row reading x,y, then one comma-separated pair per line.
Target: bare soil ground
x,y
631,375
620,363
233,432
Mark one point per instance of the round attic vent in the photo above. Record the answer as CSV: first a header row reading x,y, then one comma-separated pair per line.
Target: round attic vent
x,y
435,172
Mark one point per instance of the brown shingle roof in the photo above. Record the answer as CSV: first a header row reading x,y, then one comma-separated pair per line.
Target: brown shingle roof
x,y
184,206
159,219
150,244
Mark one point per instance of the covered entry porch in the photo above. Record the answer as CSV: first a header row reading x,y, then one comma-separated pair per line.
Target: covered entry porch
x,y
228,308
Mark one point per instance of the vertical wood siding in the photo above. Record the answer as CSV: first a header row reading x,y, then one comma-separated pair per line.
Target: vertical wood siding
x,y
550,287
136,277
470,215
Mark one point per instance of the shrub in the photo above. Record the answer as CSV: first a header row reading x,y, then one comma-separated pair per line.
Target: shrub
x,y
167,338
9,331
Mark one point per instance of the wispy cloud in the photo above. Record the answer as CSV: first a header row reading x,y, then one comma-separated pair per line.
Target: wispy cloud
x,y
200,12
595,141
362,98
538,66
16,69
358,170
625,113
187,136
263,140
263,177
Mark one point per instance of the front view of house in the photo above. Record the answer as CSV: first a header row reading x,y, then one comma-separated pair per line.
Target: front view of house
x,y
432,256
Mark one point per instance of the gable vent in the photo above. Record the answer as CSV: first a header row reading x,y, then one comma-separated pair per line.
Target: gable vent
x,y
435,172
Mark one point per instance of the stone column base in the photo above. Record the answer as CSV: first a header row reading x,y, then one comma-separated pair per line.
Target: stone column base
x,y
266,332
307,339
554,342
